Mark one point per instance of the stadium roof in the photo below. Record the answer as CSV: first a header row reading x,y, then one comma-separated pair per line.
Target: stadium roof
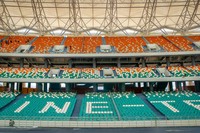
x,y
99,17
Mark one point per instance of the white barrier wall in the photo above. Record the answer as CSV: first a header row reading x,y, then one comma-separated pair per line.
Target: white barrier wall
x,y
103,124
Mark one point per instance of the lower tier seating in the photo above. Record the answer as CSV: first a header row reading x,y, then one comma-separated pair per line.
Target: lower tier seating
x,y
6,97
42,106
97,107
176,105
132,107
101,106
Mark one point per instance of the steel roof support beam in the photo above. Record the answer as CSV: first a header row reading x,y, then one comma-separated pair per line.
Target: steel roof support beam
x,y
6,20
40,17
111,21
148,19
187,16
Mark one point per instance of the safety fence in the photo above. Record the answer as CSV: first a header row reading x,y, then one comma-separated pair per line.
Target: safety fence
x,y
97,123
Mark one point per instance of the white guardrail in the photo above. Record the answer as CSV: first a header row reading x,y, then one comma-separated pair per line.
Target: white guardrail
x,y
102,124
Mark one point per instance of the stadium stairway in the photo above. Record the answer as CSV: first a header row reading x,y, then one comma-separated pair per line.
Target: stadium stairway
x,y
147,42
157,112
172,42
63,41
13,101
103,41
192,45
116,109
189,39
30,43
77,108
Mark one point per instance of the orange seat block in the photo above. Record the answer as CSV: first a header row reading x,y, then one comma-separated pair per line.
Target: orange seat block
x,y
11,43
74,44
195,38
126,44
43,44
162,42
90,44
181,42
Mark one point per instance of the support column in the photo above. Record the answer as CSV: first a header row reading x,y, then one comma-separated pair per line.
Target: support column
x,y
122,87
118,62
184,85
68,87
70,63
12,85
170,86
19,87
45,87
168,61
95,85
46,63
144,65
22,62
39,86
178,85
94,64
29,85
197,86
193,61
151,86
139,84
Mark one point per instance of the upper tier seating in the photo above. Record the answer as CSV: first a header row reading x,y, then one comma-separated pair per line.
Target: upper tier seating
x,y
43,44
132,107
6,97
163,43
181,42
23,72
74,44
176,105
90,44
146,72
195,38
11,43
179,71
97,106
126,44
42,106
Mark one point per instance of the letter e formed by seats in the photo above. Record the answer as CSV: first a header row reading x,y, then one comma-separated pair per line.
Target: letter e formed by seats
x,y
89,107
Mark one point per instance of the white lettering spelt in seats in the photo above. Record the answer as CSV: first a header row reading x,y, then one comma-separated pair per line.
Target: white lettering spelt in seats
x,y
89,108
18,110
133,105
166,103
58,110
189,102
